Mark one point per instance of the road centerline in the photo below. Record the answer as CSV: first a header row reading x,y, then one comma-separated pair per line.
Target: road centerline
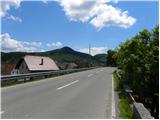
x,y
90,75
68,96
67,85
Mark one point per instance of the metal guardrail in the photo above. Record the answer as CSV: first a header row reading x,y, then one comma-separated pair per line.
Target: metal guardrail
x,y
39,74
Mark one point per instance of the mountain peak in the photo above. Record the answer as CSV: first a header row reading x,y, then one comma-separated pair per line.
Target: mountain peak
x,y
65,54
67,48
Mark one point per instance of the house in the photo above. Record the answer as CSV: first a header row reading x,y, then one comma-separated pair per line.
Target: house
x,y
30,64
6,68
65,65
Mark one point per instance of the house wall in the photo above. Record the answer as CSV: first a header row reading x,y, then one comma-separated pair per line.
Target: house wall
x,y
23,68
15,71
6,68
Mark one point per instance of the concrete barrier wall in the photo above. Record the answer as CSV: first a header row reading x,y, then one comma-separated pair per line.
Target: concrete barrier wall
x,y
139,111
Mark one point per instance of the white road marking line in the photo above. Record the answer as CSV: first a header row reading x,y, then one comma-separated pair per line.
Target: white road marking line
x,y
101,70
67,85
97,72
90,75
113,101
26,115
2,112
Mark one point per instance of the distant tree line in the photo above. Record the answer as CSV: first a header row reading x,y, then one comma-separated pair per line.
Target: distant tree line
x,y
138,59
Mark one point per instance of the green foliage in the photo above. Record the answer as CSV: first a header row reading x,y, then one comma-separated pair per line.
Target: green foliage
x,y
110,59
101,58
124,107
117,83
139,58
125,110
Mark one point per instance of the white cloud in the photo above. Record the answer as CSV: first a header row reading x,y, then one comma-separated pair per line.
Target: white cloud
x,y
96,12
45,1
35,44
7,4
110,16
54,44
9,45
48,45
17,19
78,10
94,50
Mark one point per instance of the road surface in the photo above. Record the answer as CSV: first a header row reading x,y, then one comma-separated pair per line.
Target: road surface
x,y
86,94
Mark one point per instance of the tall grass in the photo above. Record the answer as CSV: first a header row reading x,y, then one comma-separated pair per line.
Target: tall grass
x,y
125,111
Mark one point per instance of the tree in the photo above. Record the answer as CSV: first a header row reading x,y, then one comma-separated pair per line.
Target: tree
x,y
111,60
139,58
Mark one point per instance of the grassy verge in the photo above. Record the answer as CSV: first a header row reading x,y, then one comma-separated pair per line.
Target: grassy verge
x,y
124,107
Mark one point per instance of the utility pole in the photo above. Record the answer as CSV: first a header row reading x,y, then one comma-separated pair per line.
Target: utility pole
x,y
89,49
89,64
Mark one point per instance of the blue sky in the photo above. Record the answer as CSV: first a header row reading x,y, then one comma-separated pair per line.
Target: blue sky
x,y
43,26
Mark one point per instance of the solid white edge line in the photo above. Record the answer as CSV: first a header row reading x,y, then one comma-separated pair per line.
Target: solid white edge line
x,y
67,85
113,101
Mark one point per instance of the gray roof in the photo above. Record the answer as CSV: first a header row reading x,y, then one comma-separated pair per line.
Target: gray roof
x,y
33,63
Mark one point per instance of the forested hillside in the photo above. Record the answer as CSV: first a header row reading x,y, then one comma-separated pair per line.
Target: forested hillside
x,y
64,54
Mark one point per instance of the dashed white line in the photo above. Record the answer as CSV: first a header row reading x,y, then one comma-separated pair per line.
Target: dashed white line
x,y
97,72
101,70
90,75
113,101
26,115
67,85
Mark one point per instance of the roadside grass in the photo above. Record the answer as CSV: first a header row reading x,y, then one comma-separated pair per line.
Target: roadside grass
x,y
125,111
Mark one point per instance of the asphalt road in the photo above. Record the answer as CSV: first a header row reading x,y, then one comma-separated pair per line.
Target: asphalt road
x,y
86,94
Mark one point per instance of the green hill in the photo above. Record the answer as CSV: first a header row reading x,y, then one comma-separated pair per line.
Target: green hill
x,y
61,55
101,58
